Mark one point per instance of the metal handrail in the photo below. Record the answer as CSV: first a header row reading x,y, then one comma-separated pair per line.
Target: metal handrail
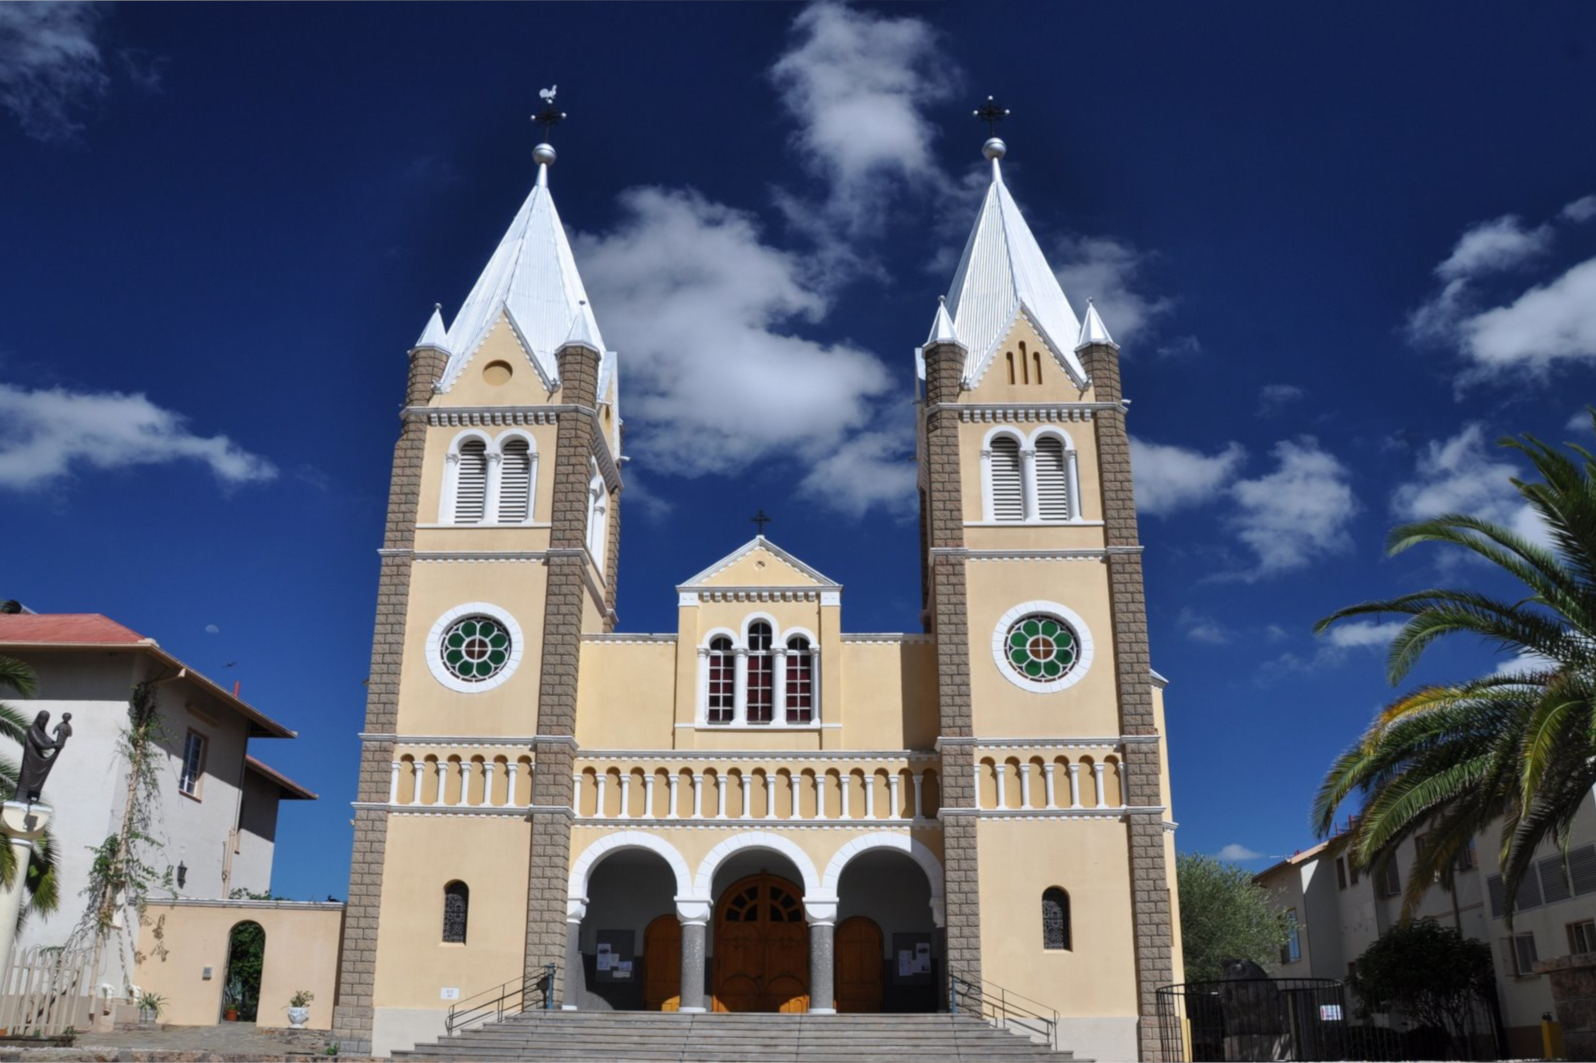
x,y
1002,1007
511,998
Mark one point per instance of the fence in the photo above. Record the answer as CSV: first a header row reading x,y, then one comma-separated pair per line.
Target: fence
x,y
47,990
1300,1019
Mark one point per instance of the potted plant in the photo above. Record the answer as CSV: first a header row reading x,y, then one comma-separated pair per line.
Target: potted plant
x,y
232,999
150,1007
299,1009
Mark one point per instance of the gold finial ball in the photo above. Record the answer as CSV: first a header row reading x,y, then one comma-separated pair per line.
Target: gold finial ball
x,y
994,149
543,154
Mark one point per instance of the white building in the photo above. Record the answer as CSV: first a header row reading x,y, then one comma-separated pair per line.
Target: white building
x,y
215,817
1337,912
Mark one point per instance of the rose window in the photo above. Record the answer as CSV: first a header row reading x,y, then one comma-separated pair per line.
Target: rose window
x,y
1041,648
475,648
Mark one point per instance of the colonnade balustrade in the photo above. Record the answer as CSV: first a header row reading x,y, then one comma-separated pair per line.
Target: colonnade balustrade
x,y
455,781
812,793
1022,782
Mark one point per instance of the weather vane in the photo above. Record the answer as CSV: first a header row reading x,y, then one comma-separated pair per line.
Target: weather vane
x,y
990,113
760,520
550,116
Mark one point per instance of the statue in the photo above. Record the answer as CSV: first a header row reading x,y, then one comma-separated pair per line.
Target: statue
x,y
1254,1013
39,754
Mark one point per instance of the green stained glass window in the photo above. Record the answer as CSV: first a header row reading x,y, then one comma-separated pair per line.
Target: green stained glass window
x,y
475,648
1042,648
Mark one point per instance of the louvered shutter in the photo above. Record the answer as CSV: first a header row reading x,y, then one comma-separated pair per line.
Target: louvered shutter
x,y
471,489
1493,886
1582,869
1052,480
515,482
1008,498
1553,881
1529,891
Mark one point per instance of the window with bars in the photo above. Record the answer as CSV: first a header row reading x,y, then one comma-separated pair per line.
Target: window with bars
x,y
515,482
1582,937
1008,492
800,681
1291,951
722,681
188,781
1055,919
471,484
761,674
456,912
1052,479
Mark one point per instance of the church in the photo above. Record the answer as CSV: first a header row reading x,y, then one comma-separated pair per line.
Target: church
x,y
762,810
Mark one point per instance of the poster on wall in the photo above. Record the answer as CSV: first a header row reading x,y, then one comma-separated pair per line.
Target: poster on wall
x,y
911,959
614,953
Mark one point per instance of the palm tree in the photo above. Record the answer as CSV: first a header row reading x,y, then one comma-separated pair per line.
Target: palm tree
x,y
43,892
1447,760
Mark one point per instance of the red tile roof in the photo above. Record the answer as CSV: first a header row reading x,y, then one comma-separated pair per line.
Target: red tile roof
x,y
66,628
291,789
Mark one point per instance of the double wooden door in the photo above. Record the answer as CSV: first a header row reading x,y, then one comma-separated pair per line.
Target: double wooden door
x,y
761,947
859,965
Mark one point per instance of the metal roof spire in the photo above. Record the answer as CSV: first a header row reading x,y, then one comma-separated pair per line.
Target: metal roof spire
x,y
582,330
434,335
942,330
1093,332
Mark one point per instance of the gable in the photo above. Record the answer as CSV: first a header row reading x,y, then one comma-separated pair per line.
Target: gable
x,y
760,563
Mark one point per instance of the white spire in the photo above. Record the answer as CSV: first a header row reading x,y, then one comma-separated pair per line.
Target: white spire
x,y
1003,274
583,329
532,281
1093,332
434,335
942,330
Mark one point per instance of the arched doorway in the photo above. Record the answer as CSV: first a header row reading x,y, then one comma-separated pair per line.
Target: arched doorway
x,y
662,964
761,946
246,959
859,970
624,942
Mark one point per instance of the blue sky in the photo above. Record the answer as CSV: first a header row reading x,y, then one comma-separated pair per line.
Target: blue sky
x,y
1343,249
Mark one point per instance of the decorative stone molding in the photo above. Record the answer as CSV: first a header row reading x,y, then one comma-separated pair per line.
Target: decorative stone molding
x,y
887,638
1083,634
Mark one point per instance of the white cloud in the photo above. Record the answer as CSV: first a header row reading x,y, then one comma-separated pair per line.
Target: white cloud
x,y
45,435
1521,664
1170,478
858,83
1492,246
1363,634
716,379
212,629
1580,422
1273,398
1296,514
1461,475
1104,269
1547,324
1181,347
873,468
1235,851
50,66
1582,209
1204,629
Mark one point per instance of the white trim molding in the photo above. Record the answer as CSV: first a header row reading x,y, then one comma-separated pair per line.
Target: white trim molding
x,y
582,869
1083,634
754,839
435,643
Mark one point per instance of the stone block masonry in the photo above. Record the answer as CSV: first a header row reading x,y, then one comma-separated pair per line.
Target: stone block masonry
x,y
352,1016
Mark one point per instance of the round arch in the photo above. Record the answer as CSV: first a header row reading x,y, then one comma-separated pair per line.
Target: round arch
x,y
582,870
755,839
901,843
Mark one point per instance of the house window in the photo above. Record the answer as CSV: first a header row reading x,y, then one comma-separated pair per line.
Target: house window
x,y
489,483
1464,860
1352,870
722,681
1291,951
800,681
1390,880
1582,937
456,911
1008,494
1030,481
1055,919
193,764
1341,873
761,674
1524,955
471,483
597,518
515,482
1052,479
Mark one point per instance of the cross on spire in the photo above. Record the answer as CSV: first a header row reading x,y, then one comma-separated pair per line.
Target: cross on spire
x,y
550,116
991,113
760,520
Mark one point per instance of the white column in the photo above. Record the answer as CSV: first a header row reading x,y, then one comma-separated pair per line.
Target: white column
x,y
1124,787
487,782
393,785
720,795
740,712
1075,786
626,796
893,784
698,795
778,661
648,796
490,505
22,825
703,684
748,794
673,782
603,784
576,793
1047,778
845,780
771,779
442,773
1025,786
820,795
1002,772
1074,469
796,780
919,794
1033,511
1097,778
509,785
814,683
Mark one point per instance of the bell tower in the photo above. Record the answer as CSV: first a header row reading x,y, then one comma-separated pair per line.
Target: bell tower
x,y
1051,743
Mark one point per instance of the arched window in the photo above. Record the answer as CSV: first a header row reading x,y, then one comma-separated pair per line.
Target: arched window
x,y
597,518
1008,495
456,911
761,674
471,485
1055,919
515,482
800,681
722,705
1052,479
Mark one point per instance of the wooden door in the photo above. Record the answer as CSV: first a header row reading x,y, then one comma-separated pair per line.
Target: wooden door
x,y
761,947
662,964
859,986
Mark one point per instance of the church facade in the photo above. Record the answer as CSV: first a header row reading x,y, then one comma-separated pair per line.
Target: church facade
x,y
761,810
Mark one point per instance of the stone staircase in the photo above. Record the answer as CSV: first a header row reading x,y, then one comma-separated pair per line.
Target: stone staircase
x,y
728,1038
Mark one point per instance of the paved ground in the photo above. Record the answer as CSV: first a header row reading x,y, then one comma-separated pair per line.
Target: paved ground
x,y
176,1044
